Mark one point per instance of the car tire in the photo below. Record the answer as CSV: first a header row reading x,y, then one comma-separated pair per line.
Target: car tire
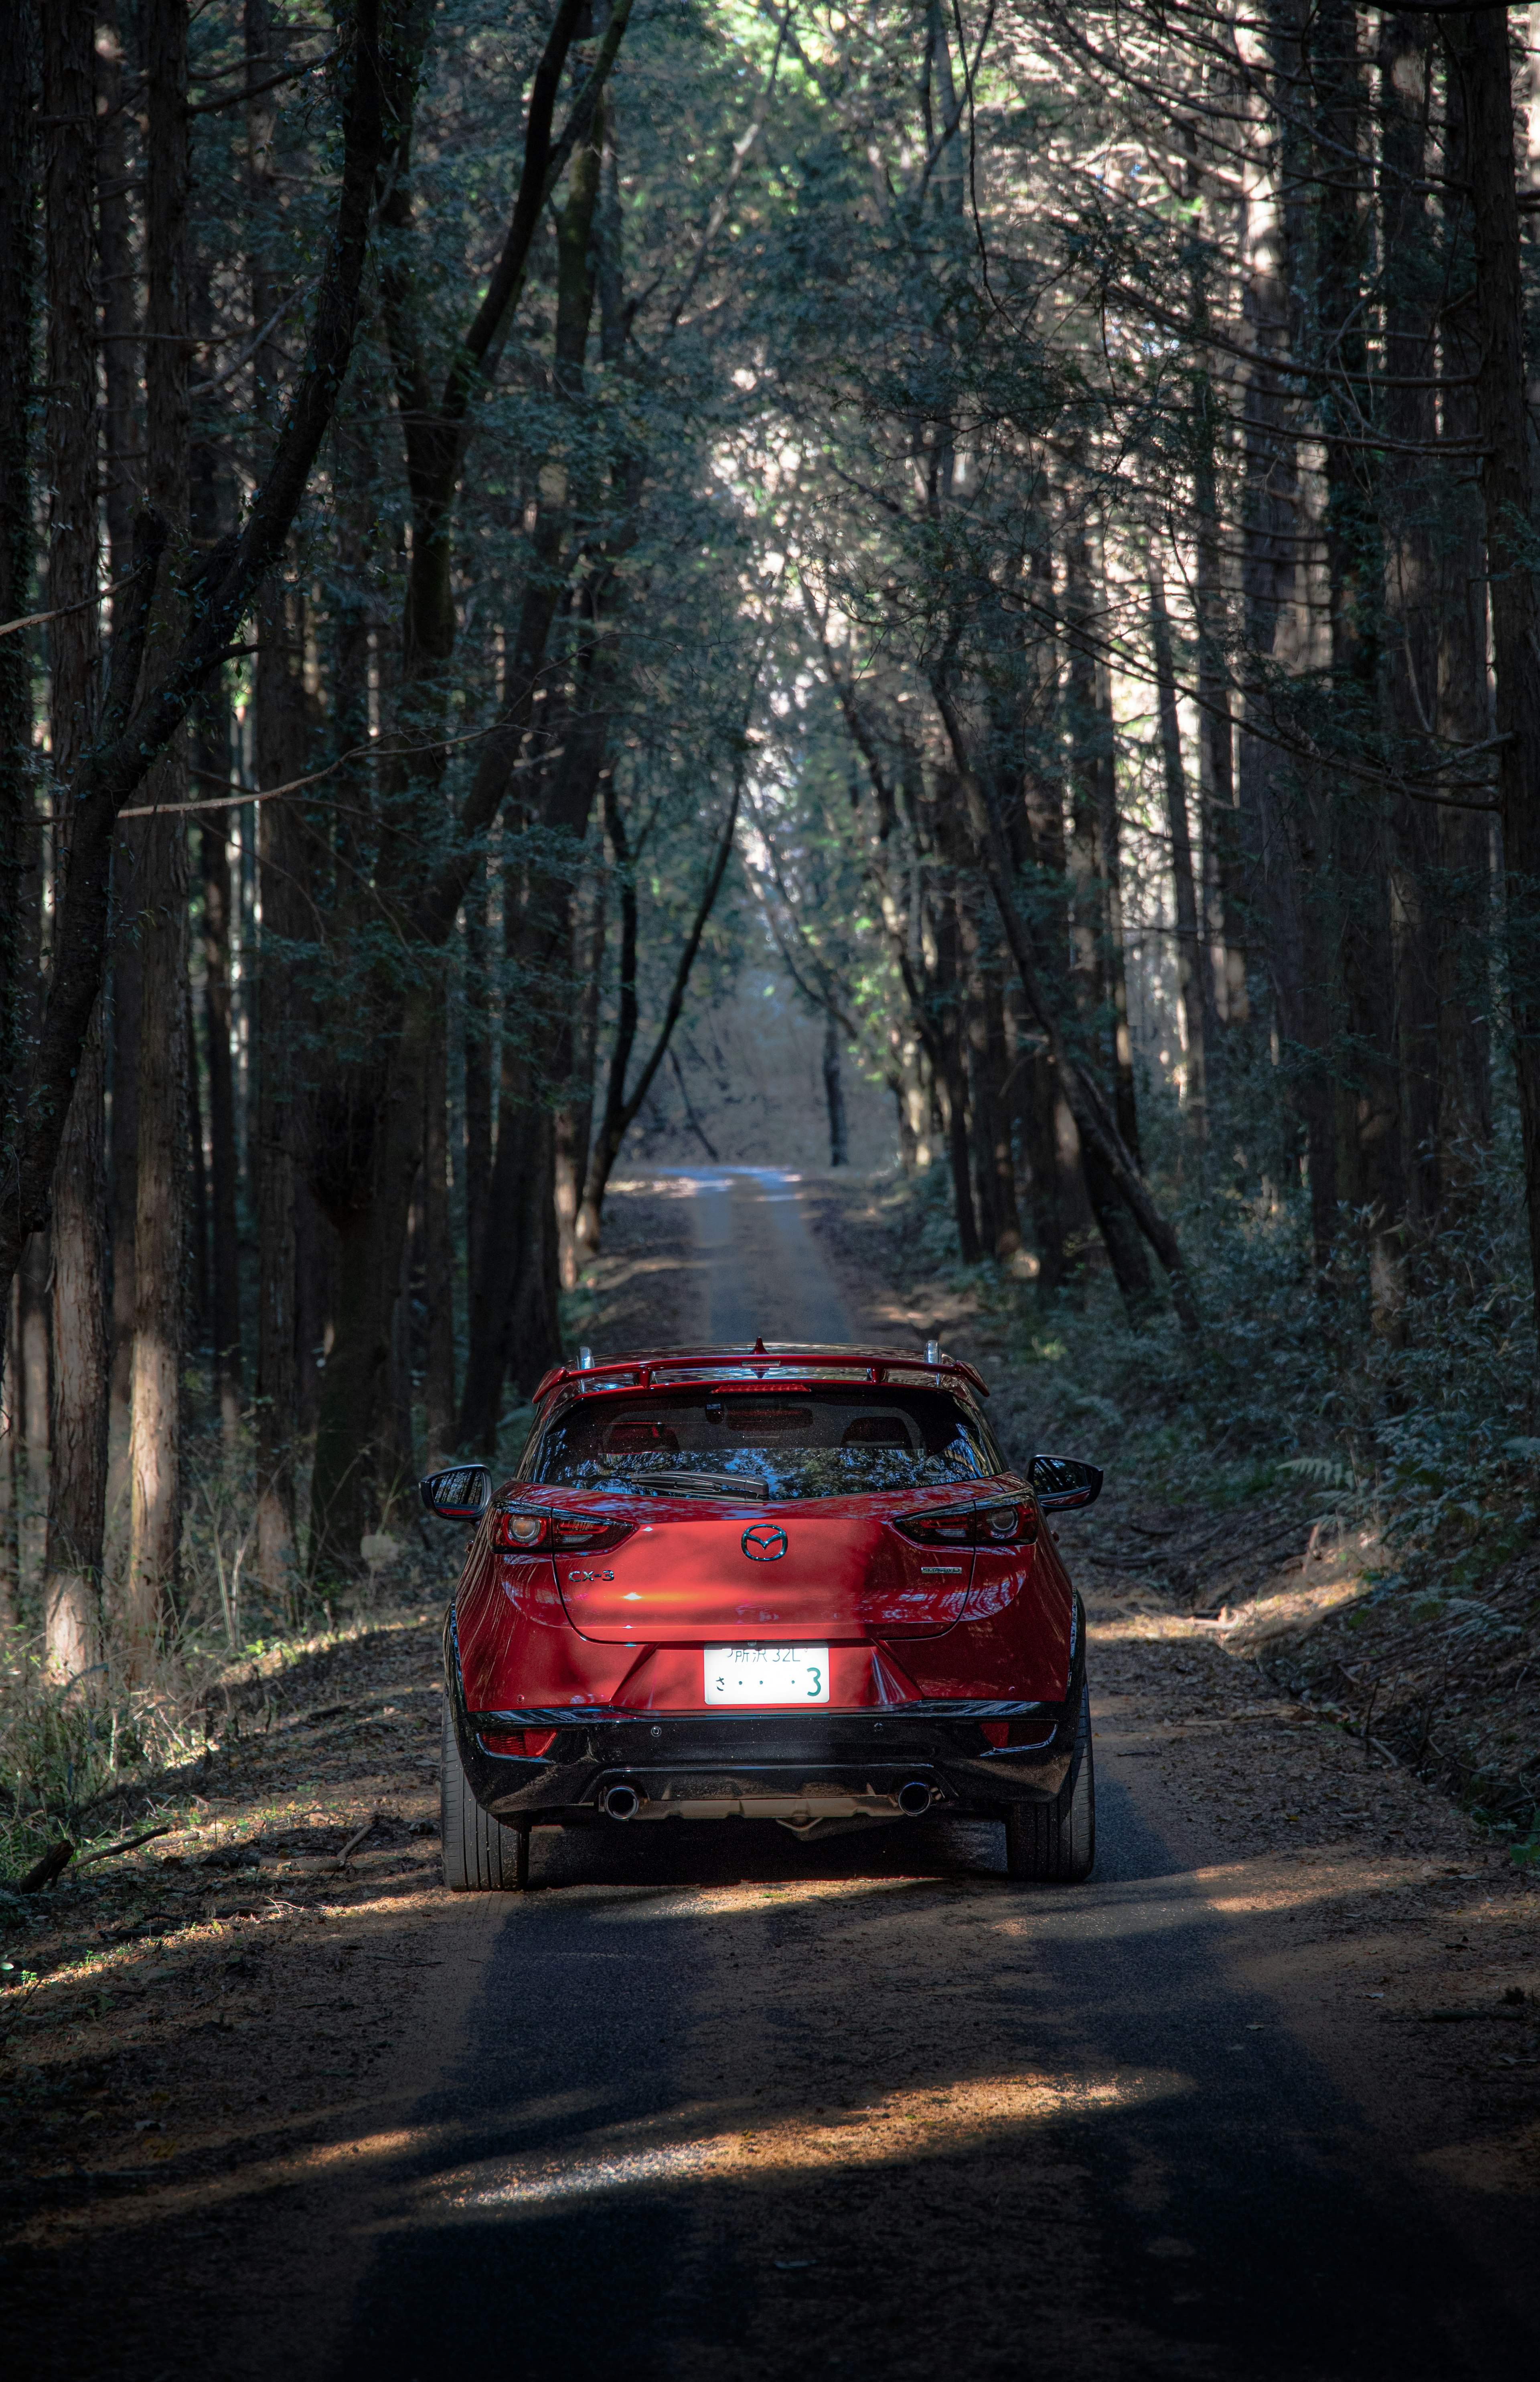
x,y
1054,1844
480,1855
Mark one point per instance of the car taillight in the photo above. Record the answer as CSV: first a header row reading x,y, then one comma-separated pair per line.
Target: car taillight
x,y
982,1525
954,1529
1006,1525
542,1533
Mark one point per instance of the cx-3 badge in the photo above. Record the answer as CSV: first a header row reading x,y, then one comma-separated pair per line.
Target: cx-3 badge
x,y
764,1544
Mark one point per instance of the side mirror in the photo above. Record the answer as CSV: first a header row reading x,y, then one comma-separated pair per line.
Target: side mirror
x,y
1062,1482
457,1495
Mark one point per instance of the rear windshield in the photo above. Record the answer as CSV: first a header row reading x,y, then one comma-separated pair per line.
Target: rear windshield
x,y
817,1443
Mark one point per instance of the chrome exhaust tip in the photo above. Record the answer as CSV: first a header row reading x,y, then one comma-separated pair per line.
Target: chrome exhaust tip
x,y
622,1802
915,1797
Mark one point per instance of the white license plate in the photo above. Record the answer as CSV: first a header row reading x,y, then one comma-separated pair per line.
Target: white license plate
x,y
767,1674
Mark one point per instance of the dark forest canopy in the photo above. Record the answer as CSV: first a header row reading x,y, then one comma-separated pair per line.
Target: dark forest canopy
x,y
1013,521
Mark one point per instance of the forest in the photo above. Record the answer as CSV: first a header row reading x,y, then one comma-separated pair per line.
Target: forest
x,y
1015,521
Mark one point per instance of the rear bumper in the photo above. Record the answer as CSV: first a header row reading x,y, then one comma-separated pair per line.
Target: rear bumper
x,y
769,1764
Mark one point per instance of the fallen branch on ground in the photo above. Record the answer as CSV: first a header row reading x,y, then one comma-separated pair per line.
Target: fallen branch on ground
x,y
128,1845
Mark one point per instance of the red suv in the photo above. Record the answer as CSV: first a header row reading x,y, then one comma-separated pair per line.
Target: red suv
x,y
791,1583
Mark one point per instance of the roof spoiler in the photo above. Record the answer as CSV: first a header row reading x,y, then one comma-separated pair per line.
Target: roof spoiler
x,y
877,1365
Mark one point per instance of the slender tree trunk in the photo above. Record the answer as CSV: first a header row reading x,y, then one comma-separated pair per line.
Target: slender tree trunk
x,y
120,362
1408,505
78,1470
70,374
10,1473
1216,791
123,461
127,996
359,1466
1272,534
1099,969
437,1254
947,1008
1193,978
1369,1069
1061,1211
34,1399
224,1169
480,1006
19,364
77,1474
1480,44
199,1293
574,1118
160,1231
1463,717
278,740
280,755
834,1094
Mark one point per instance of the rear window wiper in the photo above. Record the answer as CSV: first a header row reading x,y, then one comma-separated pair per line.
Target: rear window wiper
x,y
676,1481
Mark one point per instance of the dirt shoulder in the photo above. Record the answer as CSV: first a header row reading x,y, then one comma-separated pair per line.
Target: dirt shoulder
x,y
1391,1931
207,2046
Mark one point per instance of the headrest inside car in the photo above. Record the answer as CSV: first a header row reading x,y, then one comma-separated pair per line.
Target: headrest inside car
x,y
875,1430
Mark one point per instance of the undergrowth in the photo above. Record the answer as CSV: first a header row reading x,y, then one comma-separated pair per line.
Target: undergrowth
x,y
1412,1422
74,1755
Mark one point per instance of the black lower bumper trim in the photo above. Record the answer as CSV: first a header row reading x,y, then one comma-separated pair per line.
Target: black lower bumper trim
x,y
751,1758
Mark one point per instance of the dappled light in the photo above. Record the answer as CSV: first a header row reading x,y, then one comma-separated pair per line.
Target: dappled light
x,y
770,1132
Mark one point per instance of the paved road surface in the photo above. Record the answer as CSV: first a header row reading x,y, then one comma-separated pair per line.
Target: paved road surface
x,y
728,2107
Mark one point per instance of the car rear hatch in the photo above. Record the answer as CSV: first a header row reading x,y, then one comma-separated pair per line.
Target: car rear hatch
x,y
694,1570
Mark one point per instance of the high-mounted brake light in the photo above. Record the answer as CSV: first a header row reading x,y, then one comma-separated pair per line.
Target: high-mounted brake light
x,y
536,1530
973,1526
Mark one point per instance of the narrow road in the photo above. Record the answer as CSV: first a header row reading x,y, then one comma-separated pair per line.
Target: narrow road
x,y
712,2104
764,1277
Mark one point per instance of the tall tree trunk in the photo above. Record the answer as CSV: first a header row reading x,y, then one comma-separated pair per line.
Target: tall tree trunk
x,y
77,1478
438,1253
480,1008
279,739
225,1168
1480,44
359,1465
280,757
11,1475
1463,717
155,1450
34,1398
1099,967
834,1094
1408,505
1272,552
17,372
70,375
198,1291
77,1469
1062,1219
574,1118
123,461
1368,1067
127,996
1193,978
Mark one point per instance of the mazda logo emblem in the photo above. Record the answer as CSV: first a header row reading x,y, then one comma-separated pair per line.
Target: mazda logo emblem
x,y
764,1544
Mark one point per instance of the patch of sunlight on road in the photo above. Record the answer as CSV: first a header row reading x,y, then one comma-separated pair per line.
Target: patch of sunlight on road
x,y
744,1900
930,2123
